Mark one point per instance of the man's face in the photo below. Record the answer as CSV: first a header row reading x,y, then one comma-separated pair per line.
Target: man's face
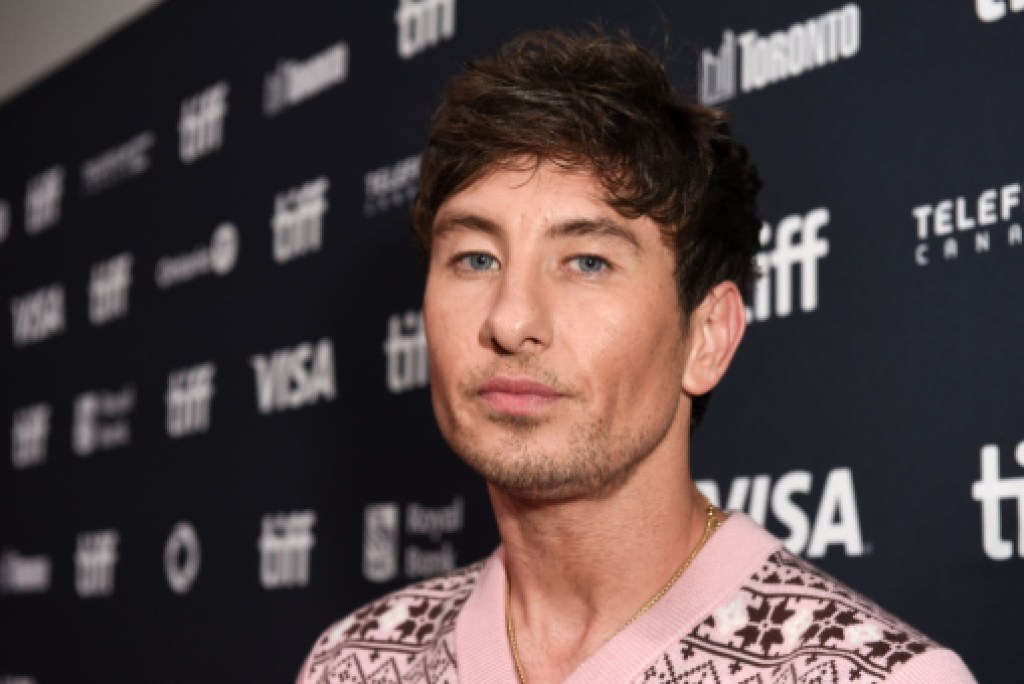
x,y
555,333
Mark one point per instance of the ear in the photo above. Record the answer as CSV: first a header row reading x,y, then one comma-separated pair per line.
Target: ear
x,y
715,330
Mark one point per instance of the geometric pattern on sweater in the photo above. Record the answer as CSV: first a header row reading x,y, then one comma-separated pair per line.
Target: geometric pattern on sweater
x,y
790,623
406,637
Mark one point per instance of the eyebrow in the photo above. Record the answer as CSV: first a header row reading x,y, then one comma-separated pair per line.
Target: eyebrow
x,y
601,227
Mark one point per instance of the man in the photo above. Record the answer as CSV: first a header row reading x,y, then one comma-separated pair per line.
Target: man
x,y
588,234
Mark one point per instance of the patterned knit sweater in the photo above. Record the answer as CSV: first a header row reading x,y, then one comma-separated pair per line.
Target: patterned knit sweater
x,y
746,612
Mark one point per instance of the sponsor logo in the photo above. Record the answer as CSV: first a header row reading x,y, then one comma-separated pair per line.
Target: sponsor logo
x,y
382,548
24,574
181,558
423,24
43,195
991,491
298,220
949,225
391,187
37,315
836,523
95,562
218,258
201,126
994,10
765,60
101,420
406,350
294,377
108,289
17,679
294,82
797,243
5,221
189,395
118,164
286,544
30,433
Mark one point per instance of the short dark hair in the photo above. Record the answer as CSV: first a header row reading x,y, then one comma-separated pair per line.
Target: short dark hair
x,y
603,103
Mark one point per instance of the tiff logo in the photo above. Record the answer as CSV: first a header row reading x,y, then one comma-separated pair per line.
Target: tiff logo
x,y
406,350
30,433
37,315
101,420
293,82
95,561
797,243
285,546
298,221
423,24
189,395
108,289
42,200
994,10
391,186
294,377
990,491
201,127
5,220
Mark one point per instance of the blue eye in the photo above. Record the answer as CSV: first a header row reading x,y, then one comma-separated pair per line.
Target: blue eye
x,y
478,261
590,264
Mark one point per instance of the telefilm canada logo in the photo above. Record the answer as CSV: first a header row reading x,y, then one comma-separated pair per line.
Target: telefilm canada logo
x,y
968,225
835,521
118,164
423,24
391,187
755,61
427,550
993,491
794,245
996,10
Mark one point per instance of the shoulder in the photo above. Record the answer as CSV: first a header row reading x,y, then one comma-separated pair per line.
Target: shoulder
x,y
386,639
795,620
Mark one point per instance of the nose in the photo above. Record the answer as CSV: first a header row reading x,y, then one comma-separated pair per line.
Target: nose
x,y
518,320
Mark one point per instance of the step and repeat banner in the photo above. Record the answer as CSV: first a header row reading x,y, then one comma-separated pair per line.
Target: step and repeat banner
x,y
213,365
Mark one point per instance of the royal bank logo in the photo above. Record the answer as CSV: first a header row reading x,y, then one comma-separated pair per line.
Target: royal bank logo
x,y
298,220
293,82
405,349
794,245
423,24
217,258
391,187
755,61
30,435
95,563
295,377
995,10
189,398
182,557
102,420
993,492
836,522
38,315
5,221
285,545
201,126
109,284
427,550
43,195
952,228
118,164
24,574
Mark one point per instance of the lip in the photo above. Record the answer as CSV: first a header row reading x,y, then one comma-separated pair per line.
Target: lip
x,y
518,395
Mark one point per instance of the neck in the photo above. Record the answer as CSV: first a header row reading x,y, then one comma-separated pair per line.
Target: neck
x,y
580,569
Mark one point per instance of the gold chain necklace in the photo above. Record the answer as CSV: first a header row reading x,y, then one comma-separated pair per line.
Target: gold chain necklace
x,y
710,525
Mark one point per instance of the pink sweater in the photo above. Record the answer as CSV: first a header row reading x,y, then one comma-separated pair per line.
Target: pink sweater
x,y
746,611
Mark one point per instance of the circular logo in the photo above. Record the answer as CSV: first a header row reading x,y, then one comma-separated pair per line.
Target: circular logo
x,y
224,249
181,558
